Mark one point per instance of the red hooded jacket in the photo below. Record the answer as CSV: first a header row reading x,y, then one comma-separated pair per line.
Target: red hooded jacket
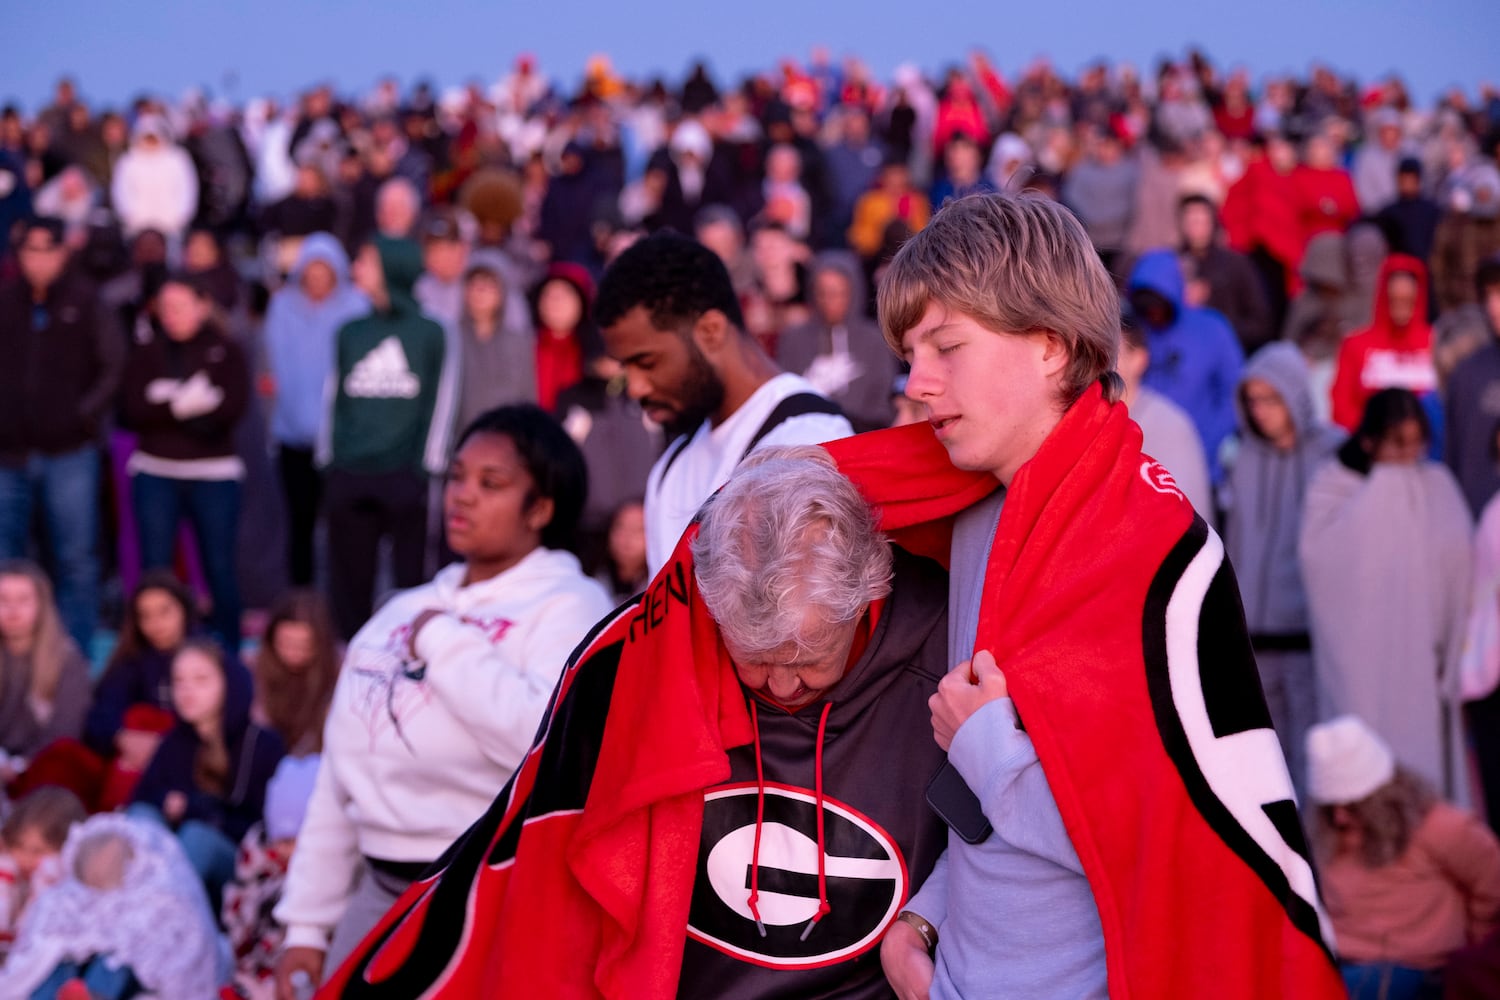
x,y
1385,356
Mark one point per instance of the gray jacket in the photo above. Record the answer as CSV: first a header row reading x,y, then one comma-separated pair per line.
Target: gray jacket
x,y
849,363
1103,198
1473,420
1267,487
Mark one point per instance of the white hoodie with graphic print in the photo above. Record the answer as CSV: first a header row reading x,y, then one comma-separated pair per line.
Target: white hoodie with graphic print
x,y
415,750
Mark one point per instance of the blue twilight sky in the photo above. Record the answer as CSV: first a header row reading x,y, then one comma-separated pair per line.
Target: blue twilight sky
x,y
117,48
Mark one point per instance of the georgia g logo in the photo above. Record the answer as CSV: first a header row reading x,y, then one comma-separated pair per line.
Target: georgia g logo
x,y
1212,715
865,873
1159,479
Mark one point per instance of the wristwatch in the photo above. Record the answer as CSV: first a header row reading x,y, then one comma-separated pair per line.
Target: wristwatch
x,y
921,925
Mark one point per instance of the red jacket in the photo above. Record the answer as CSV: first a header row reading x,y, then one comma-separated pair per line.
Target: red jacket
x,y
1260,210
1234,125
560,356
1385,356
955,116
1325,200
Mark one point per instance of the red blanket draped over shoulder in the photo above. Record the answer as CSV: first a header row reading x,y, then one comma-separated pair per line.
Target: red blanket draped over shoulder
x,y
1115,618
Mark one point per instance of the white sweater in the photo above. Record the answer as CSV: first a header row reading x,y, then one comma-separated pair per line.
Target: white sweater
x,y
415,751
155,190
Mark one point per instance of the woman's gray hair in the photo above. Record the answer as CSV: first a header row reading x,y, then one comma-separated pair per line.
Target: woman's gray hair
x,y
787,536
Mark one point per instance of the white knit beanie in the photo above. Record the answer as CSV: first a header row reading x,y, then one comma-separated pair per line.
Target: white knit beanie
x,y
1346,761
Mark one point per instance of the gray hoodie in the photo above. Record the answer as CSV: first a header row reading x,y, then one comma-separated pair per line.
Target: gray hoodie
x,y
1473,420
1367,252
1315,323
499,370
1103,197
849,363
1267,488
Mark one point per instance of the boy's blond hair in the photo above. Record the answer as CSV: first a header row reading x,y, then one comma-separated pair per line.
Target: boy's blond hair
x,y
1016,264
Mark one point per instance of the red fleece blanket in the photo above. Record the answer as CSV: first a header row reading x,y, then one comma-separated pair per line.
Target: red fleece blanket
x,y
1115,617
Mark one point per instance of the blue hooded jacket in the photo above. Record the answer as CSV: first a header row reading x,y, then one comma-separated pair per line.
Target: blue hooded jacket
x,y
300,336
1196,360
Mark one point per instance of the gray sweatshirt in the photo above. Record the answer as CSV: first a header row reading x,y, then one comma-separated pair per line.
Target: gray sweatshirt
x,y
1103,198
1172,439
1015,914
1267,489
1473,419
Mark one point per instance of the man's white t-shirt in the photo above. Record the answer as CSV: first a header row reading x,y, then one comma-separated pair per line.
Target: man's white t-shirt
x,y
673,495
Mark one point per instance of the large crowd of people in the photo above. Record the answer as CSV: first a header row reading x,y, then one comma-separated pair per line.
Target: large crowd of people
x,y
493,347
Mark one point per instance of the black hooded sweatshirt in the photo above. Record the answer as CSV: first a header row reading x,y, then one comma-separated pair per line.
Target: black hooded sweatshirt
x,y
253,755
869,745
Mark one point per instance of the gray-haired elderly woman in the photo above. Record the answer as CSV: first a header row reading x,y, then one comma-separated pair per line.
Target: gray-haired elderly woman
x,y
789,560
838,639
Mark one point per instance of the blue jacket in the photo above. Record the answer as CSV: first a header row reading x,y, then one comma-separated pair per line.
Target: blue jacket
x,y
1196,360
15,196
300,336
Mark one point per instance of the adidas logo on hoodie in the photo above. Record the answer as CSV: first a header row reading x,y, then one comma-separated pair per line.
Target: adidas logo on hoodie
x,y
383,374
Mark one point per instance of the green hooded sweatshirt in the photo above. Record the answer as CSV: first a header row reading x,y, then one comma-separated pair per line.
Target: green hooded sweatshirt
x,y
391,400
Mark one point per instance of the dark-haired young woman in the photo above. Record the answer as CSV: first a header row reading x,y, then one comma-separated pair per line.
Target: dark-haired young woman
x,y
295,670
185,390
442,691
1385,549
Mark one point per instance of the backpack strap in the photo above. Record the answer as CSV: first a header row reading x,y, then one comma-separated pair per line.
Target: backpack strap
x,y
796,405
676,448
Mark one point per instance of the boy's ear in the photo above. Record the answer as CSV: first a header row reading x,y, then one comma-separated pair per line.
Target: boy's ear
x,y
1055,356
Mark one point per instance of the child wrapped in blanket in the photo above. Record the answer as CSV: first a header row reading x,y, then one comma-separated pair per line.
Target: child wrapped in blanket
x,y
128,919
